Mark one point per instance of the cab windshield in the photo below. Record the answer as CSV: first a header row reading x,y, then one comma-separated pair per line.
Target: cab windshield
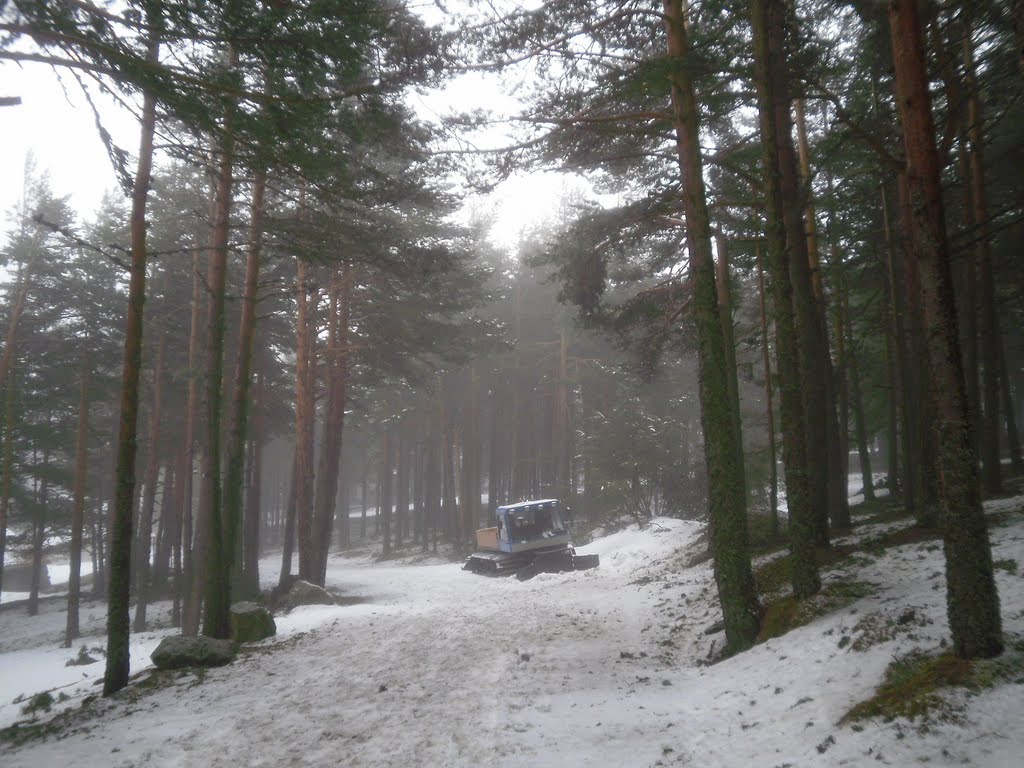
x,y
534,522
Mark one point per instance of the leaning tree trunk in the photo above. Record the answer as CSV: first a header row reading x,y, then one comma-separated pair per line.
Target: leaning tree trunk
x,y
802,525
971,598
118,626
737,591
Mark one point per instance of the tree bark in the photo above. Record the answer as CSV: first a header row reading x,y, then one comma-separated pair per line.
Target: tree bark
x,y
773,473
1009,411
234,476
142,569
802,518
288,543
384,507
859,426
39,532
737,591
990,456
217,593
118,661
723,287
250,581
972,600
304,414
8,465
193,552
334,424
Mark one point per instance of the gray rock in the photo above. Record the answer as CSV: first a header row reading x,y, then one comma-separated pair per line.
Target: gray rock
x,y
251,622
178,651
304,593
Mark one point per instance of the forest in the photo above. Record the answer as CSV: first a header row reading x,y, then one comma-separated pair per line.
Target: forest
x,y
790,269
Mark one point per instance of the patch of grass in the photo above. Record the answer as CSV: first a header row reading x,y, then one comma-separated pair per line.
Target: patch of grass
x,y
786,613
41,702
914,684
910,687
912,535
22,733
779,617
1008,564
773,576
884,509
875,628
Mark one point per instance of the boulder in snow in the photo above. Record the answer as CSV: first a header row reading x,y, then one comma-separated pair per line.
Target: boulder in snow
x,y
251,622
304,593
178,651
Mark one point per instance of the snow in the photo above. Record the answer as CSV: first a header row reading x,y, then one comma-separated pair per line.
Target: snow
x,y
432,666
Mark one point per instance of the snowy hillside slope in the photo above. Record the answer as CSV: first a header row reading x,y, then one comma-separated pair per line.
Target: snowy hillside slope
x,y
437,667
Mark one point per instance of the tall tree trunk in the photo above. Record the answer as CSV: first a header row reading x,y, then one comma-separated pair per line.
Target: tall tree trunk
x,y
920,443
972,601
1009,411
990,457
898,362
6,474
234,475
23,283
384,506
253,500
401,480
469,489
305,410
142,570
290,515
859,426
835,479
193,552
773,462
723,285
39,531
178,594
168,529
737,591
811,351
217,593
118,628
766,16
334,423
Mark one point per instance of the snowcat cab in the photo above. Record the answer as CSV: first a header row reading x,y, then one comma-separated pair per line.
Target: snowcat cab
x,y
528,538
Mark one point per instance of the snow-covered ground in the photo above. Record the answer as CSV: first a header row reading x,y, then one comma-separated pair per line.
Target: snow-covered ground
x,y
437,667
